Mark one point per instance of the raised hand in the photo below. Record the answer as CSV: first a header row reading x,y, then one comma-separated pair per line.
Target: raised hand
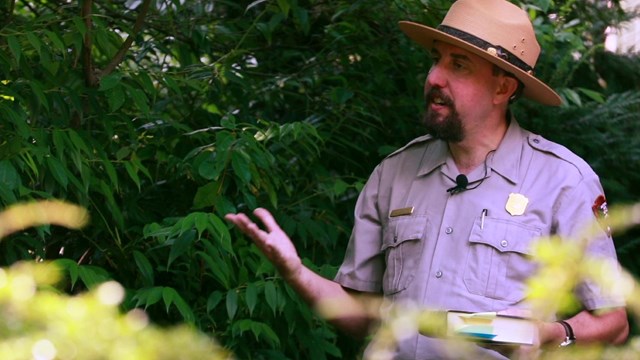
x,y
272,241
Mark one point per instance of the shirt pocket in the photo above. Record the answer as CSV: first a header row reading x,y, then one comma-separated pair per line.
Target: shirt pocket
x,y
499,259
402,244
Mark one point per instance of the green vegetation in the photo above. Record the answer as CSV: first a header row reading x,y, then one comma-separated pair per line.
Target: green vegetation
x,y
159,117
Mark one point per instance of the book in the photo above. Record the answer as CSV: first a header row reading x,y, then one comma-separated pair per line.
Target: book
x,y
491,327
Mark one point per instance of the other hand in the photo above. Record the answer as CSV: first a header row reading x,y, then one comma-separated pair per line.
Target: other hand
x,y
272,241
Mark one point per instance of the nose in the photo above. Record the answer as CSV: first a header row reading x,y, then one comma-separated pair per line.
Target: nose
x,y
436,77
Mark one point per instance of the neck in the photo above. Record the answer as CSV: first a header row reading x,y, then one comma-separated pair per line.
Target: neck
x,y
472,152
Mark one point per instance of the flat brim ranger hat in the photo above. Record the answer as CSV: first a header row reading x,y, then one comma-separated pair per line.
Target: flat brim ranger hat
x,y
495,30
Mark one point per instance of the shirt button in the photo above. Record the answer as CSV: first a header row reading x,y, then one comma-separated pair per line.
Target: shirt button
x,y
438,274
536,141
395,239
448,230
504,243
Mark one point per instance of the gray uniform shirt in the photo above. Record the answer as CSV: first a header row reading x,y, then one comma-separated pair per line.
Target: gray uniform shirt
x,y
445,255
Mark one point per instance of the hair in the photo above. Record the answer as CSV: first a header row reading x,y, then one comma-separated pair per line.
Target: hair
x,y
497,71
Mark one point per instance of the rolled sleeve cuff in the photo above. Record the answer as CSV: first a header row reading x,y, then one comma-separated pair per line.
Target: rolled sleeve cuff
x,y
351,282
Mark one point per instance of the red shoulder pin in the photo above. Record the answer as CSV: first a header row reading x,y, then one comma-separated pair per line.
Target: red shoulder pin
x,y
601,212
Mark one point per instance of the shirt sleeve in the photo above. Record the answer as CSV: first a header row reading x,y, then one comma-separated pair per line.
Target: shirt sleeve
x,y
363,265
582,216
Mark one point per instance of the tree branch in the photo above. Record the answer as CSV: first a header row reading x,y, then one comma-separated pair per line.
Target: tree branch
x,y
7,10
119,56
90,78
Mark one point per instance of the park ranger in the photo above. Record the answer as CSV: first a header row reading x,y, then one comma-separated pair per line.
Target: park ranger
x,y
447,222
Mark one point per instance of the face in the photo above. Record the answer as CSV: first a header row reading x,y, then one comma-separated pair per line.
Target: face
x,y
458,92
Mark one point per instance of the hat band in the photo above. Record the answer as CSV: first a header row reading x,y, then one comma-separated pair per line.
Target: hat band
x,y
496,50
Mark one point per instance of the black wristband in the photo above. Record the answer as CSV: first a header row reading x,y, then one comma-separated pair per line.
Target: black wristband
x,y
570,336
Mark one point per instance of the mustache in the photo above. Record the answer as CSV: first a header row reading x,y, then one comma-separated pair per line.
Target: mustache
x,y
435,92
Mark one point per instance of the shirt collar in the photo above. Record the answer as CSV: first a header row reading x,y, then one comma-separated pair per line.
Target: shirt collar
x,y
505,161
435,154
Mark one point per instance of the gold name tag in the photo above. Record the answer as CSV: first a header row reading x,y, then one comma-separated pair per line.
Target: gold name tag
x,y
401,212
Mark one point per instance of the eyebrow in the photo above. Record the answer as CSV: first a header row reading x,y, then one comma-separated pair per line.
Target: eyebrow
x,y
461,57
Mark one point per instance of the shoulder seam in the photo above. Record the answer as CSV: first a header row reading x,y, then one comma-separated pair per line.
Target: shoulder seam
x,y
417,140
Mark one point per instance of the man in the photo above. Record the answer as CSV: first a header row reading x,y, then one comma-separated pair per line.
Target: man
x,y
447,221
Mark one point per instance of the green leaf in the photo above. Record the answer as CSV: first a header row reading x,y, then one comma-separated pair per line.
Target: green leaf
x,y
35,41
123,152
111,172
302,17
9,177
232,303
58,171
271,295
221,229
339,187
201,222
140,99
145,81
209,168
251,297
180,246
110,81
71,267
219,269
205,196
341,95
116,98
285,6
14,46
173,85
92,275
572,96
240,165
144,266
214,299
56,41
133,173
148,296
171,296
36,89
264,331
168,296
78,142
185,310
79,24
593,95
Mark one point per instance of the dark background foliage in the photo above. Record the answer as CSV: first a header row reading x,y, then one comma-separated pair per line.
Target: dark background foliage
x,y
162,116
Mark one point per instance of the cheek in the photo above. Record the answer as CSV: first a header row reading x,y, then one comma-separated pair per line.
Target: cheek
x,y
471,98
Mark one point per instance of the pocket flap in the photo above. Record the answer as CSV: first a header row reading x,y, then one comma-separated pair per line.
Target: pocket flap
x,y
399,230
505,235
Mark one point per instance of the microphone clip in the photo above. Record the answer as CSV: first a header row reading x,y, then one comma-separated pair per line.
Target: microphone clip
x,y
461,185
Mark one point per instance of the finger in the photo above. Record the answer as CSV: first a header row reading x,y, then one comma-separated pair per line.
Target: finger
x,y
243,223
267,219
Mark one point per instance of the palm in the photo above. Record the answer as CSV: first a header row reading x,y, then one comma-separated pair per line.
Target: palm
x,y
272,241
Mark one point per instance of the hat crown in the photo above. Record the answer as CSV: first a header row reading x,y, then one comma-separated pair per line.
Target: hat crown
x,y
497,22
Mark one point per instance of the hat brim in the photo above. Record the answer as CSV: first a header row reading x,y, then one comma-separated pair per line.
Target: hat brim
x,y
534,89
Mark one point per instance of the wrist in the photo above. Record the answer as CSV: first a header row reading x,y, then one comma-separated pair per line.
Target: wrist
x,y
550,333
569,335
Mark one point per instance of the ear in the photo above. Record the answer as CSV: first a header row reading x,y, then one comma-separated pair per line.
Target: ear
x,y
507,86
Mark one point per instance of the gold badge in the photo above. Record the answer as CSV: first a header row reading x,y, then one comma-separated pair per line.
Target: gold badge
x,y
516,204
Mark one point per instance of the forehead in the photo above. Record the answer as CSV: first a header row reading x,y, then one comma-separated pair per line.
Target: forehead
x,y
442,49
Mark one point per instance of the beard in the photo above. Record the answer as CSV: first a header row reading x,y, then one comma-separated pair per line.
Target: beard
x,y
444,127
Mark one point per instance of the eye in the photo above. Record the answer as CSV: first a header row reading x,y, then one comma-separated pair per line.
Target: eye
x,y
458,65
